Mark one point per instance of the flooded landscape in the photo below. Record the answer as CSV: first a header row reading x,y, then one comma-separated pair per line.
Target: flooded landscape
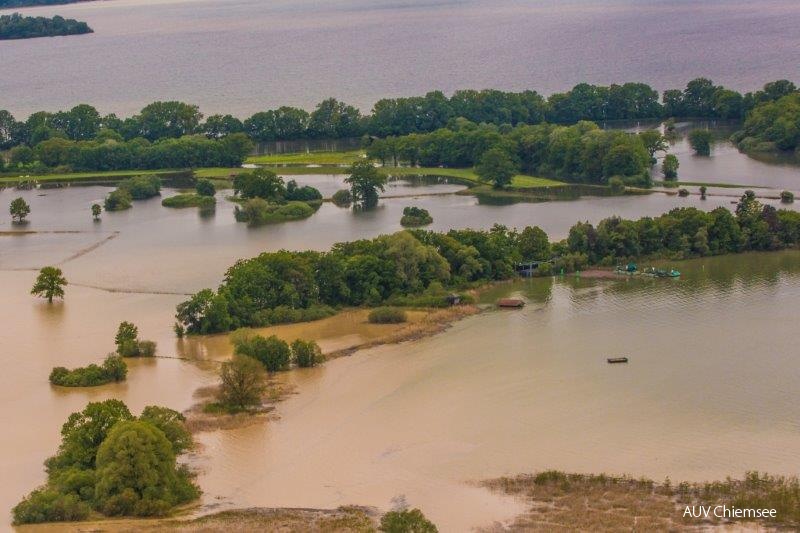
x,y
439,364
708,392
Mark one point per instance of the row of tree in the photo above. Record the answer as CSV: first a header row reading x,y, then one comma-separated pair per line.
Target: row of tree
x,y
112,153
582,152
390,268
15,26
397,116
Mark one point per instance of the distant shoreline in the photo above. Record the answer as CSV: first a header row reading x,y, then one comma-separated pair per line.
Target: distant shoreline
x,y
15,4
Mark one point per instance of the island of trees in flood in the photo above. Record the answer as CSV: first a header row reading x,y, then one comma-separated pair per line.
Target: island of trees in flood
x,y
16,26
419,268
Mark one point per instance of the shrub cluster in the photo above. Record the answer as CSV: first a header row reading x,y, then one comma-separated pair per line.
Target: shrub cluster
x,y
113,369
415,217
129,344
342,198
387,315
190,200
256,211
113,463
141,187
274,353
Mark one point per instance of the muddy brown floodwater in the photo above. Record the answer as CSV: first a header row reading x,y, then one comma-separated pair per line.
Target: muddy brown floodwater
x,y
709,390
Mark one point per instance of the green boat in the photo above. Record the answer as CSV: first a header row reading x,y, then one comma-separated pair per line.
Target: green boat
x,y
661,273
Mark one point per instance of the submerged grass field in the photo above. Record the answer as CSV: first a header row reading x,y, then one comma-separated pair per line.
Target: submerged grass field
x,y
560,501
211,172
308,158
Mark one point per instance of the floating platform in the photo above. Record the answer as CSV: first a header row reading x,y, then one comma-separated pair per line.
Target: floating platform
x,y
616,360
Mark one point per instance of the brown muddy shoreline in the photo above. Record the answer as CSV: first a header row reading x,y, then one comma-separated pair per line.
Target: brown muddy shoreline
x,y
434,322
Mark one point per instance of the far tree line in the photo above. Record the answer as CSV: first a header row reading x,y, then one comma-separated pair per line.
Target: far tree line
x,y
395,116
16,26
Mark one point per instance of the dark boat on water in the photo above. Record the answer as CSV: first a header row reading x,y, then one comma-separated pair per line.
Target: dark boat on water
x,y
615,360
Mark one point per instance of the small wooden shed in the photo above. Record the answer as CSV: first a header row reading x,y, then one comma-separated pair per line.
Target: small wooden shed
x,y
510,303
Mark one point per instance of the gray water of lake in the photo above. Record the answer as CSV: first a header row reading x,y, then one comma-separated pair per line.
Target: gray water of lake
x,y
243,56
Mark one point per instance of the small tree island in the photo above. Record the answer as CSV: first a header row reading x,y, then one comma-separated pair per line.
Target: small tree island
x,y
15,26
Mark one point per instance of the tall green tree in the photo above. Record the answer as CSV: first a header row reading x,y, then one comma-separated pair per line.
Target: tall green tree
x,y
19,209
496,167
700,141
49,284
669,167
137,474
365,181
243,382
534,244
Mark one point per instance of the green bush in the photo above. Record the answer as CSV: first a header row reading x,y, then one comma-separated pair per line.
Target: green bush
x,y
283,314
172,424
257,211
242,384
415,217
407,521
669,167
137,474
205,188
342,198
683,192
146,348
110,462
113,369
128,343
787,197
700,141
387,315
137,348
272,352
141,187
118,200
617,185
189,200
306,353
48,505
305,193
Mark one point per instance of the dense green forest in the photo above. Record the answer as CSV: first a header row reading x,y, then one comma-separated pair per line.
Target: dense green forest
x,y
394,117
582,152
16,26
773,125
417,267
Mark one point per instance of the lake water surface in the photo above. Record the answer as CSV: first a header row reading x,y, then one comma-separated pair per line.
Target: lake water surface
x,y
243,56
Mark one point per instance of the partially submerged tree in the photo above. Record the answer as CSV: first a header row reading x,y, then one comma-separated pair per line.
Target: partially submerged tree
x,y
19,209
700,141
365,181
49,284
669,167
113,463
243,383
